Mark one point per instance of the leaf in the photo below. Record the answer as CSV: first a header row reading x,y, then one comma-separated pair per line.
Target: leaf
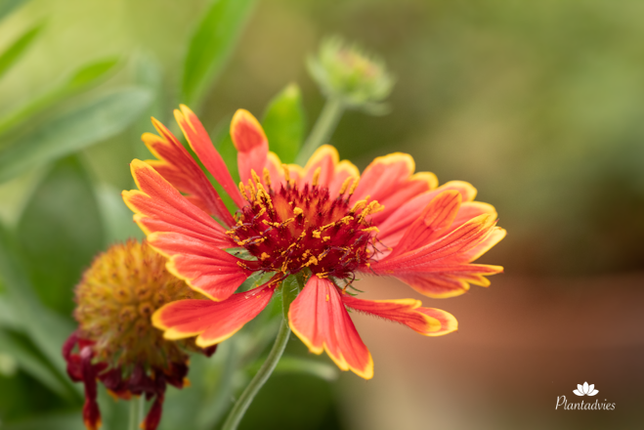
x,y
7,6
325,371
67,421
46,329
8,317
211,46
84,77
284,123
119,225
90,73
31,363
291,287
96,120
60,232
17,48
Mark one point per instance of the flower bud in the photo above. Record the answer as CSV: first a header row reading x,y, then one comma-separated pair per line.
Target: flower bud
x,y
345,72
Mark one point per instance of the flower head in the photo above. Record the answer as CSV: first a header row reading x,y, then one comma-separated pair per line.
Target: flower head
x,y
116,341
325,220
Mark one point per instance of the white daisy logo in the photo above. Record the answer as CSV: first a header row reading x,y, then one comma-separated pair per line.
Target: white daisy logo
x,y
585,390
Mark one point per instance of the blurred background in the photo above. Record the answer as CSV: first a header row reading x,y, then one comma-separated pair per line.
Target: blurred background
x,y
540,105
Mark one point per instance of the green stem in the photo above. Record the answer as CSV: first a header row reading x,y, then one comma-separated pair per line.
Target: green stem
x,y
323,129
244,401
137,410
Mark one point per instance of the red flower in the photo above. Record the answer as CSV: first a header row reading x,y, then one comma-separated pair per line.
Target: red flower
x,y
324,217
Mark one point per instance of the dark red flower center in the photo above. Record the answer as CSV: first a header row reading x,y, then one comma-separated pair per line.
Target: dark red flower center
x,y
293,228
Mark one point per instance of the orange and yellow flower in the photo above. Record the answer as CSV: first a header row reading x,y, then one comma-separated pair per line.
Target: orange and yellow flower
x,y
325,219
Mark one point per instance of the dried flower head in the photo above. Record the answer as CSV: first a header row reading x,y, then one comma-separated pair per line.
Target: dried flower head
x,y
117,343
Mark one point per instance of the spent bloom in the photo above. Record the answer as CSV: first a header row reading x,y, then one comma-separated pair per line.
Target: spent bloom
x,y
325,221
115,340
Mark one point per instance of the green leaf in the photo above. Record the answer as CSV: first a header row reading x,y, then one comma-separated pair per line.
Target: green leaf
x,y
87,75
291,287
17,48
31,362
90,73
211,46
96,120
7,6
307,366
68,421
119,225
46,329
8,317
284,123
60,232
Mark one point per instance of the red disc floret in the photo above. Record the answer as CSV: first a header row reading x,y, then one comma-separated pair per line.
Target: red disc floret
x,y
293,228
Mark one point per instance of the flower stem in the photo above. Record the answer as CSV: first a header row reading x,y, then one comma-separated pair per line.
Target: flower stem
x,y
137,409
244,401
323,128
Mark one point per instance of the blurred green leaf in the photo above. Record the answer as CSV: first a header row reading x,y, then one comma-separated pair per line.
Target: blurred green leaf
x,y
87,75
119,225
60,232
7,6
211,46
69,421
96,120
17,48
31,362
148,74
284,123
224,144
287,364
8,317
46,329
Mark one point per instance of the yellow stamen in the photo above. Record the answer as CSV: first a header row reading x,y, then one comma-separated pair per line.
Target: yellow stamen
x,y
255,177
287,173
316,176
297,211
359,205
353,187
345,185
267,178
242,190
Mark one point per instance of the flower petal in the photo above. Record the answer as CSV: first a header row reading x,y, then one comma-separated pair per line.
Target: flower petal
x,y
426,321
160,207
441,269
214,322
202,146
390,181
432,222
252,145
318,317
448,249
207,269
447,282
393,227
177,166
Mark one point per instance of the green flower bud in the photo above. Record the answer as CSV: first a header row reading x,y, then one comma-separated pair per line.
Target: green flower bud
x,y
347,73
